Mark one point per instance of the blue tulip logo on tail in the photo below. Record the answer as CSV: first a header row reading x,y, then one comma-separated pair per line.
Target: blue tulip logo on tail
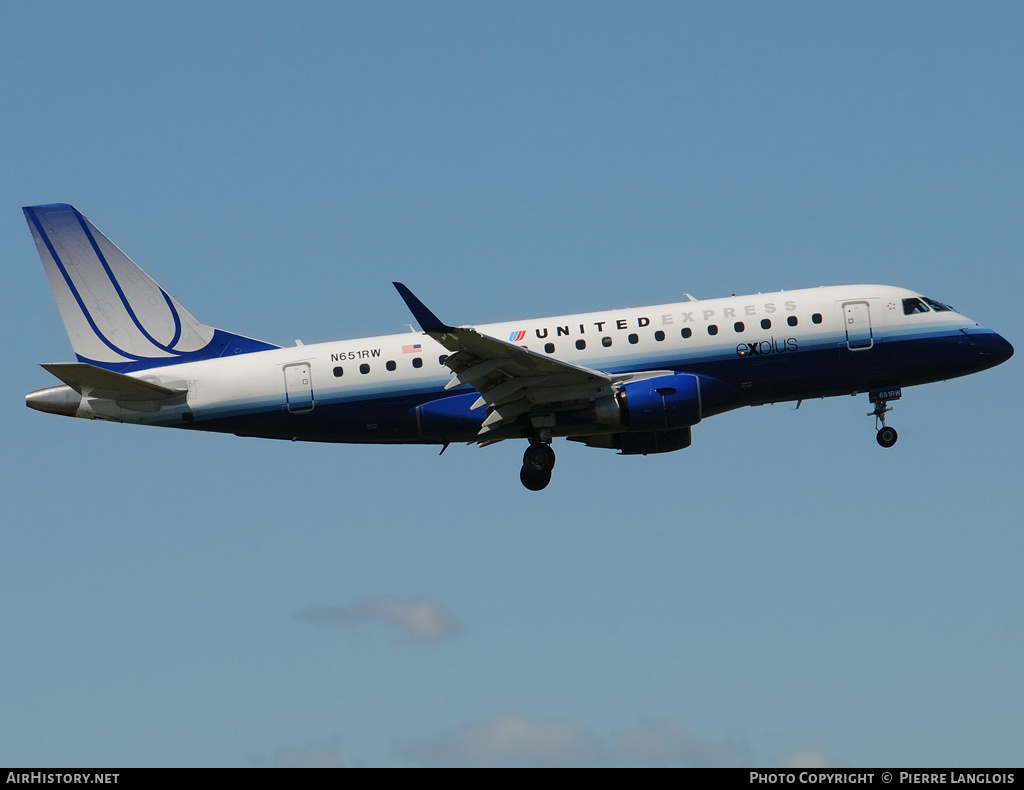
x,y
116,316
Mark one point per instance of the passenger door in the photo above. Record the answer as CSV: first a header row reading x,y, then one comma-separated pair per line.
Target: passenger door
x,y
857,317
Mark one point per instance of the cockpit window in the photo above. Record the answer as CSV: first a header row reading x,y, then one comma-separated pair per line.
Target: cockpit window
x,y
938,307
914,305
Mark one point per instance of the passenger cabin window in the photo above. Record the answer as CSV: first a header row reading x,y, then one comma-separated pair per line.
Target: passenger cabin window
x,y
914,305
633,339
816,318
766,323
738,326
549,348
659,335
364,368
391,364
581,344
442,359
712,329
339,372
417,362
687,332
792,320
606,342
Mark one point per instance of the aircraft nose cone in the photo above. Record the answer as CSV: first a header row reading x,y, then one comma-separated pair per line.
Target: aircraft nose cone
x,y
999,348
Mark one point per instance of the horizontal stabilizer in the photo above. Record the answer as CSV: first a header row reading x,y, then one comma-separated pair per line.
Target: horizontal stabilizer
x,y
93,382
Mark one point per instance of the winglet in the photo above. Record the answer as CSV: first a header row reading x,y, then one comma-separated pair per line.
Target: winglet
x,y
427,320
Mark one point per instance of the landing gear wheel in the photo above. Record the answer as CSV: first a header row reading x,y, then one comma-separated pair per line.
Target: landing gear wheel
x,y
539,458
886,436
534,479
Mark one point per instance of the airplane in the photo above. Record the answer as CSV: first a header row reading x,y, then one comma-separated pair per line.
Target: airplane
x,y
635,380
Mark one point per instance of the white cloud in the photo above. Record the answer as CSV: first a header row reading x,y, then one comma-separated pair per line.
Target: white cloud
x,y
423,619
313,755
666,742
806,758
511,740
508,741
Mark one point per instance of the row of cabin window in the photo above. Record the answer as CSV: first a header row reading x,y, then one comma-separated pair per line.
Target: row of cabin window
x,y
417,362
766,323
581,344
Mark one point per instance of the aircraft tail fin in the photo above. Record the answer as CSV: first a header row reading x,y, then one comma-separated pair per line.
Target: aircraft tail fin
x,y
116,316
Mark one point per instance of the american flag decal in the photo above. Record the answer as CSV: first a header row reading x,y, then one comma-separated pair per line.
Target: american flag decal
x,y
416,349
515,337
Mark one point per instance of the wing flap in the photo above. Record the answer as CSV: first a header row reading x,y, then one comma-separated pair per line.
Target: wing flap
x,y
475,372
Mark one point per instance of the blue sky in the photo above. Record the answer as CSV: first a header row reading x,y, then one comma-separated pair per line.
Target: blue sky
x,y
782,592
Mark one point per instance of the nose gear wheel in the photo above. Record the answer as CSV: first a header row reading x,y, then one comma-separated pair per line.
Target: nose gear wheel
x,y
885,436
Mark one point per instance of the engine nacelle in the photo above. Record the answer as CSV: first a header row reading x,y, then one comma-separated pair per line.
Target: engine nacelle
x,y
662,403
448,418
649,443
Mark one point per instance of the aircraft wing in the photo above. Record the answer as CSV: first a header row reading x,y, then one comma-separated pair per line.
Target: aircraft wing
x,y
512,380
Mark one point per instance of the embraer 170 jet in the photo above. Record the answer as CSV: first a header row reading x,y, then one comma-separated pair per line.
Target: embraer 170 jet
x,y
634,380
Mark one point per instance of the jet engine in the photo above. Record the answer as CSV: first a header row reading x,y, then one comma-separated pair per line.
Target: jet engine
x,y
662,403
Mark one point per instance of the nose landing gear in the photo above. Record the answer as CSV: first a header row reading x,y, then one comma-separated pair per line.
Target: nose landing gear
x,y
538,461
885,436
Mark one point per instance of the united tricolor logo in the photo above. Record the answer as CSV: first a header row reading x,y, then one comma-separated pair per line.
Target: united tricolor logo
x,y
515,337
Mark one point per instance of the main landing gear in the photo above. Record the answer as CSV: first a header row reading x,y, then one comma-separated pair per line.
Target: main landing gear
x,y
538,461
885,436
